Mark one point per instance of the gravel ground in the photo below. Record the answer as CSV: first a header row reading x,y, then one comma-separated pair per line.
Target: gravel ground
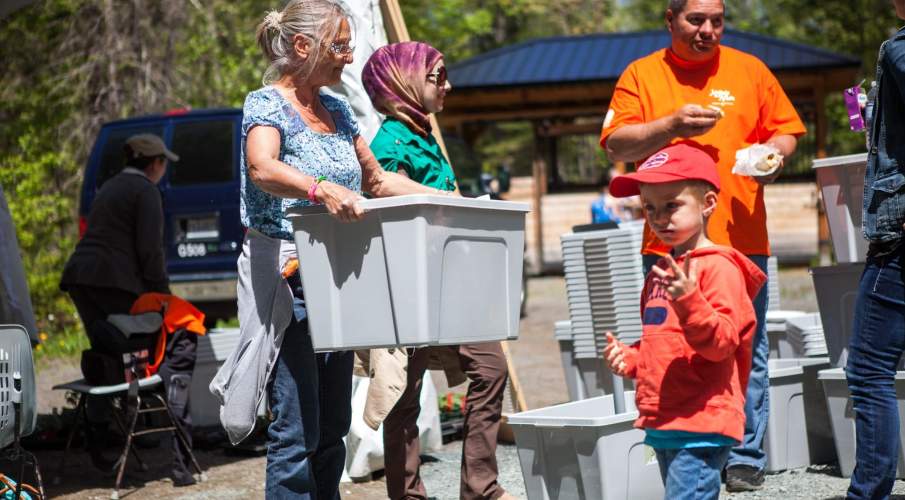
x,y
815,482
537,362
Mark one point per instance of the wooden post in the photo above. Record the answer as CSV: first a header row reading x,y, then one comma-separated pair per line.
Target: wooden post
x,y
397,31
821,130
539,167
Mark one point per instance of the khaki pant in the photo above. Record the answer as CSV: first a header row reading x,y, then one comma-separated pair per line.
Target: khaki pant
x,y
485,366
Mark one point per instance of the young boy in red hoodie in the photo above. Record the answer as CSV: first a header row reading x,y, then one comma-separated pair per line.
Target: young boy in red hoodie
x,y
692,363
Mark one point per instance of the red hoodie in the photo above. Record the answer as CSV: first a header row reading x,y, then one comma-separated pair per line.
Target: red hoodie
x,y
693,360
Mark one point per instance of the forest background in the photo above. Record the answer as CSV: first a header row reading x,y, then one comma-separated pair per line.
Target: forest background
x,y
71,65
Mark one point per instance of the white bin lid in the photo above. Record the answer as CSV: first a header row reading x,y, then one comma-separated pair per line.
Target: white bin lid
x,y
421,199
839,161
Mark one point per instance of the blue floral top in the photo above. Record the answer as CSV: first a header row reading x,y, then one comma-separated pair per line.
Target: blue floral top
x,y
314,153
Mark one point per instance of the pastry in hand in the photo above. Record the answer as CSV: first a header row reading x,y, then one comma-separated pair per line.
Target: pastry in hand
x,y
769,162
718,109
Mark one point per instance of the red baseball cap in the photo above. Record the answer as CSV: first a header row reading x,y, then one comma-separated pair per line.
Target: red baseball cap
x,y
679,162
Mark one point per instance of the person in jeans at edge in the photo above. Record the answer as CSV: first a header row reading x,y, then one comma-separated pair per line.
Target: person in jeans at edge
x,y
720,100
878,333
407,82
299,147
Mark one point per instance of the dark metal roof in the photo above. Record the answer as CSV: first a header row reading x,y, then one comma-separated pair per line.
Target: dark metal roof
x,y
603,57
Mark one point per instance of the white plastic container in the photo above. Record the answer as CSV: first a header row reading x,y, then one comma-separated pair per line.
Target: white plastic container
x,y
416,270
841,182
574,384
797,431
780,348
842,418
212,351
836,288
786,440
583,450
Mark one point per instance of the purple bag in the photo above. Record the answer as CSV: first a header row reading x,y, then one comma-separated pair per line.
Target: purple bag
x,y
853,106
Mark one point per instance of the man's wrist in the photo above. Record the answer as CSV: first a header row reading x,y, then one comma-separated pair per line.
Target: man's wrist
x,y
670,128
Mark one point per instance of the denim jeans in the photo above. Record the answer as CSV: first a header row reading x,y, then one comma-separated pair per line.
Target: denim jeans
x,y
876,345
310,402
757,405
692,473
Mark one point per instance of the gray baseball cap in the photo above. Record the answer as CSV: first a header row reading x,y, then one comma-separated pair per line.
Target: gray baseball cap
x,y
150,145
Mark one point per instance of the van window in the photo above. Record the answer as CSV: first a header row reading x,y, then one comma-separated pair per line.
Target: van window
x,y
112,154
206,151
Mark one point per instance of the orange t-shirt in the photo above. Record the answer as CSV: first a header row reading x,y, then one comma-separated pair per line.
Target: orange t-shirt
x,y
756,109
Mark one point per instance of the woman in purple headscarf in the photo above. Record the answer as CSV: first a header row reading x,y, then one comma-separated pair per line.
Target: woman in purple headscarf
x,y
407,82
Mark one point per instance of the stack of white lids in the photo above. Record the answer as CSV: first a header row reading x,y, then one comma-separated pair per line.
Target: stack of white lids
x,y
603,283
773,283
805,334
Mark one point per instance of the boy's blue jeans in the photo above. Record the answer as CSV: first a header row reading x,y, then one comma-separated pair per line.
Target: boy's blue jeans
x,y
757,404
876,345
310,401
692,473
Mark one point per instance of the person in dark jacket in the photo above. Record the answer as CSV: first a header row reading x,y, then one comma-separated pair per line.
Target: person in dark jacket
x,y
878,333
121,253
119,257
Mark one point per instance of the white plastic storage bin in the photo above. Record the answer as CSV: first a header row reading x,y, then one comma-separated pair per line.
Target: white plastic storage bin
x,y
582,450
786,440
841,182
842,418
821,447
797,432
213,349
836,288
777,334
574,383
416,270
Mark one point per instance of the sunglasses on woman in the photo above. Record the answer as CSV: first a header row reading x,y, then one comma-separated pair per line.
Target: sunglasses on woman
x,y
439,77
341,49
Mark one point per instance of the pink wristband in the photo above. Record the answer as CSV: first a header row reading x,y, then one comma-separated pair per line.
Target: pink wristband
x,y
313,189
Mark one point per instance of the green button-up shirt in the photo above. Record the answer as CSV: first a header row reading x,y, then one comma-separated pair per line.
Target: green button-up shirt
x,y
398,148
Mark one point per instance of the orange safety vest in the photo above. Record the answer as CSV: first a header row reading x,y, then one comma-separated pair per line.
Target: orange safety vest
x,y
178,313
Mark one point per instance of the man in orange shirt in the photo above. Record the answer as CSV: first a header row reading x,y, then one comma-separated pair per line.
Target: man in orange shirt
x,y
720,100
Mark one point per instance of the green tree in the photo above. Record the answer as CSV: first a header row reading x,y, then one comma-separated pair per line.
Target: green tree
x,y
70,66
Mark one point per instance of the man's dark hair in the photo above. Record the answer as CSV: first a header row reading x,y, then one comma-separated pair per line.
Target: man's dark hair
x,y
677,6
132,159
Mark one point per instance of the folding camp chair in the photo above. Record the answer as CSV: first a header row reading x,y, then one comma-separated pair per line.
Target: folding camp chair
x,y
140,395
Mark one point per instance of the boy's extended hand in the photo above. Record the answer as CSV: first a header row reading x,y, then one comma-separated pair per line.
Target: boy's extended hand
x,y
614,352
680,281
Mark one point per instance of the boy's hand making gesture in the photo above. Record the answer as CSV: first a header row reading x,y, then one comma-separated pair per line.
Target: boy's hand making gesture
x,y
680,281
614,353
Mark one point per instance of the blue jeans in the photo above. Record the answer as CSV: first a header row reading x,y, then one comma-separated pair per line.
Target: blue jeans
x,y
757,403
877,343
692,473
310,403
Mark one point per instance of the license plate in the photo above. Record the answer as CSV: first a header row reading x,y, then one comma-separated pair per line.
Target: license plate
x,y
201,229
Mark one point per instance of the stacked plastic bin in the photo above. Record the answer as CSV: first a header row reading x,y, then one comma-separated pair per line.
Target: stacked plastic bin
x,y
212,351
805,335
774,303
589,449
603,283
777,326
585,450
562,332
798,433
